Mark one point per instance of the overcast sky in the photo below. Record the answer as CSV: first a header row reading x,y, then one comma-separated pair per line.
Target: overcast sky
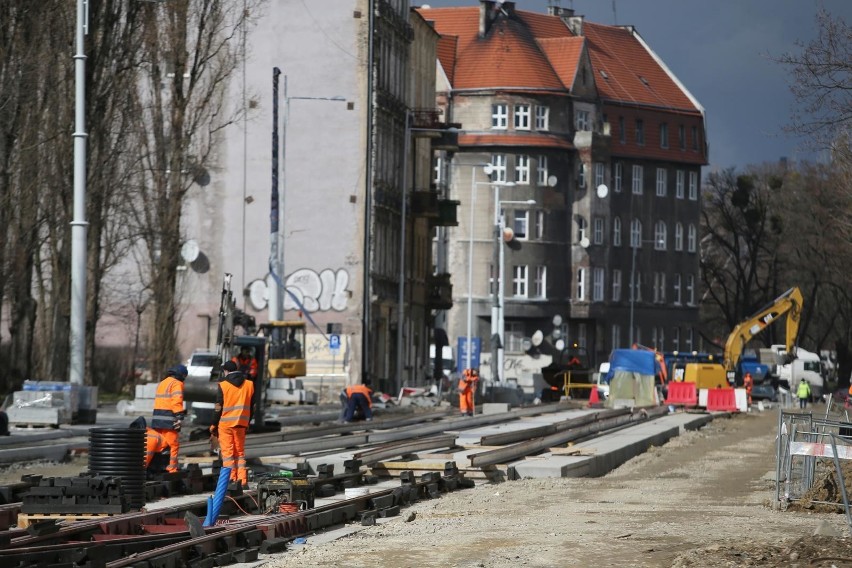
x,y
722,51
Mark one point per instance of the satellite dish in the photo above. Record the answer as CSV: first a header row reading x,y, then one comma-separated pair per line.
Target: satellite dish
x,y
526,344
557,333
584,242
488,169
258,294
551,181
189,251
560,344
557,320
603,191
537,338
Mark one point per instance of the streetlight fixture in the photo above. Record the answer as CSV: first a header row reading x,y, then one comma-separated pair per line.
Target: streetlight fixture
x,y
636,245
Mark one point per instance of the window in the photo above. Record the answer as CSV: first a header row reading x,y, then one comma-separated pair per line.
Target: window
x,y
522,222
660,344
695,138
662,180
660,235
581,120
581,284
689,339
581,228
514,336
616,285
598,285
681,175
640,132
676,289
499,116
676,338
519,281
636,233
498,165
691,238
581,174
619,167
693,185
660,287
599,174
678,237
622,131
542,117
541,170
522,169
681,136
581,335
438,178
637,180
522,117
664,135
616,335
539,224
690,289
616,232
598,231
540,282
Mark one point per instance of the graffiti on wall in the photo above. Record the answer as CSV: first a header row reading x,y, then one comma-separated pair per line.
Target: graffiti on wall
x,y
318,292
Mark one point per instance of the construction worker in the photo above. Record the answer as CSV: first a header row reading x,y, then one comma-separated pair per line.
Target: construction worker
x,y
748,383
848,398
232,415
169,412
246,362
359,397
803,392
467,388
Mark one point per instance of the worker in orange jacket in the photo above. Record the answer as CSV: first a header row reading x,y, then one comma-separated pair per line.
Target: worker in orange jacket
x,y
233,411
169,412
246,362
748,383
467,388
360,397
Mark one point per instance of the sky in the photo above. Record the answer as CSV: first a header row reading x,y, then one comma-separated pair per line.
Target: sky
x,y
723,51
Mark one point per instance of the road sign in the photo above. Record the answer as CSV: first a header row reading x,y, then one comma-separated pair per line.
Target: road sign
x,y
476,348
334,342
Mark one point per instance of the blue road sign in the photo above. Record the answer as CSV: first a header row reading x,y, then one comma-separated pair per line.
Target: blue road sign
x,y
334,342
476,348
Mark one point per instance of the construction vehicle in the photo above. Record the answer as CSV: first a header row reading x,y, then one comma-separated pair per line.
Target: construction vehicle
x,y
285,491
285,348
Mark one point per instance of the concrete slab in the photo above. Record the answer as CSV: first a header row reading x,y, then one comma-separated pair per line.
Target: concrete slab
x,y
474,436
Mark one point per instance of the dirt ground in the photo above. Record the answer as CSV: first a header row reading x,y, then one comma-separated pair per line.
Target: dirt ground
x,y
702,500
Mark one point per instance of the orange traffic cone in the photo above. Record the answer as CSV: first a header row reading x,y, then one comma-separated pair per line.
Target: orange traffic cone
x,y
593,396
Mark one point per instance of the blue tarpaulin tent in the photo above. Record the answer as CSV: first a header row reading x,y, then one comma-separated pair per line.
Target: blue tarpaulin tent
x,y
632,377
634,361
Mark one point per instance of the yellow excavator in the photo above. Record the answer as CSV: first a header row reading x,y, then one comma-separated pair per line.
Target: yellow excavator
x,y
285,348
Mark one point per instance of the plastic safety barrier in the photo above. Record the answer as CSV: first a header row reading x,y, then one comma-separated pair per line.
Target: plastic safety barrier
x,y
722,400
682,394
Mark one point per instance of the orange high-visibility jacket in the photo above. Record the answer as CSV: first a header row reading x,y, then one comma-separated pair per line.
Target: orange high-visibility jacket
x,y
246,365
363,389
236,405
168,404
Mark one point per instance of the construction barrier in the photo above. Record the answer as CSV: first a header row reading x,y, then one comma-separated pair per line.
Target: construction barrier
x,y
722,400
682,394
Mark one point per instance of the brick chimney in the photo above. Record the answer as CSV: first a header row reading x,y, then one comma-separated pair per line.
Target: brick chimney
x,y
490,10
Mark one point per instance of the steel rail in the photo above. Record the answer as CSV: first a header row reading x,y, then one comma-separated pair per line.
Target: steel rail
x,y
538,431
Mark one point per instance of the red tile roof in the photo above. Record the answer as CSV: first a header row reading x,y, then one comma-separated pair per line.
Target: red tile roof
x,y
447,47
535,140
564,55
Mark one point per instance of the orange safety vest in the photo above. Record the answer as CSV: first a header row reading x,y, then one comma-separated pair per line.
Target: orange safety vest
x,y
247,366
236,408
363,389
168,404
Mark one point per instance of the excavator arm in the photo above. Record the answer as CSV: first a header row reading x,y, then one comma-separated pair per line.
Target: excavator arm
x,y
789,303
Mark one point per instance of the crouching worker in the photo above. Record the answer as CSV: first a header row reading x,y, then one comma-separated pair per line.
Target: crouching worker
x,y
169,412
359,398
233,412
156,449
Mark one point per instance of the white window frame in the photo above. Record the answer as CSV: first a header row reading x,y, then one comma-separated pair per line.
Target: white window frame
x,y
676,338
693,186
660,241
616,285
581,284
541,170
637,181
582,228
680,183
498,168
690,289
678,244
618,177
539,224
582,334
598,231
520,280
691,238
662,181
581,174
635,233
521,224
676,288
522,169
616,231
499,116
660,287
540,281
522,116
598,284
542,117
599,174
438,168
582,120
513,333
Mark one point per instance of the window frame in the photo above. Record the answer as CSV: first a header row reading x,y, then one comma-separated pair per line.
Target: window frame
x,y
637,182
598,278
582,120
662,181
540,281
691,238
690,289
640,132
616,285
616,231
581,285
499,164
499,120
541,170
599,174
539,224
635,233
542,117
678,244
664,135
598,230
521,216
693,186
660,235
680,184
618,177
522,116
522,169
677,289
520,281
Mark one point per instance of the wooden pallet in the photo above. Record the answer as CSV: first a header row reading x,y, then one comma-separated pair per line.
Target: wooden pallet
x,y
27,519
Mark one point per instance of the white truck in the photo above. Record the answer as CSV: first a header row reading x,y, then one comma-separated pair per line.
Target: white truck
x,y
807,365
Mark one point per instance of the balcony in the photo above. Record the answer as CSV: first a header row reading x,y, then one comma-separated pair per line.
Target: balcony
x,y
424,203
440,289
447,213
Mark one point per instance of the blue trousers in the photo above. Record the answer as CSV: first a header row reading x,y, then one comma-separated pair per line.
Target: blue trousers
x,y
358,400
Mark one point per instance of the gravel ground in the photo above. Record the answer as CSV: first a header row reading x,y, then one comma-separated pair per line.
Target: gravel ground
x,y
703,499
